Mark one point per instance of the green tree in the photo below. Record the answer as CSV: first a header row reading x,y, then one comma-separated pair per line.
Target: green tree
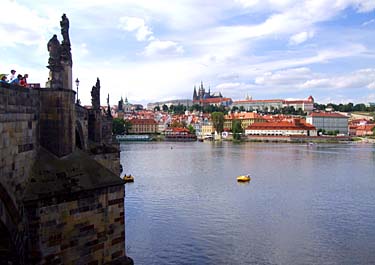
x,y
127,126
118,126
360,107
237,129
165,108
171,108
242,108
157,108
234,108
218,121
191,129
196,107
179,109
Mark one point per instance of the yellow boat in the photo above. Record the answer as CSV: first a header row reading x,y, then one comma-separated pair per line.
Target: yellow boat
x,y
243,178
129,178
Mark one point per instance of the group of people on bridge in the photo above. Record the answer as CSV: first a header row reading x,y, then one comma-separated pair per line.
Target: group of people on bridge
x,y
14,79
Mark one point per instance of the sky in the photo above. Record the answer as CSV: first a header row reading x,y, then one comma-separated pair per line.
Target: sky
x,y
159,50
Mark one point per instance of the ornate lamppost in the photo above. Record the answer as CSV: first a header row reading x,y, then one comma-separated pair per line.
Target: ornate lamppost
x,y
77,84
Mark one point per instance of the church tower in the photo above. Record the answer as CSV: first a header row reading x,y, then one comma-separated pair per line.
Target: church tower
x,y
195,97
201,91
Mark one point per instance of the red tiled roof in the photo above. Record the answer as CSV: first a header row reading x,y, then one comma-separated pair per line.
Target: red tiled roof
x,y
327,114
298,102
367,127
178,129
143,121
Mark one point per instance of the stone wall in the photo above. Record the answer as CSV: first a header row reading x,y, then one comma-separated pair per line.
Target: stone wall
x,y
18,138
110,161
84,228
18,147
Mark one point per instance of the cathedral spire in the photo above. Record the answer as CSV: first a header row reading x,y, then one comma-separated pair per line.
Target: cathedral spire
x,y
195,97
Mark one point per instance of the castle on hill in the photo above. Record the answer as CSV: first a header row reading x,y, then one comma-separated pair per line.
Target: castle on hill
x,y
202,94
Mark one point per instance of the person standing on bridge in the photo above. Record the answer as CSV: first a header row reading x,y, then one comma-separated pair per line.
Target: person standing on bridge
x,y
3,79
23,81
12,75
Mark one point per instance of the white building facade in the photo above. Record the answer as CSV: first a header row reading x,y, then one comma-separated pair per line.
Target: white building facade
x,y
329,121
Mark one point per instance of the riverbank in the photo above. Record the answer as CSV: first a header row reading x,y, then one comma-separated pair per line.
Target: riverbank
x,y
297,139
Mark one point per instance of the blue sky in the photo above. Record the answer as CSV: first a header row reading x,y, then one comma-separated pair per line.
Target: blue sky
x,y
158,50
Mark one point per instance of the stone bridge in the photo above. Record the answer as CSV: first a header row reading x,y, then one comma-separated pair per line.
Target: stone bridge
x,y
61,198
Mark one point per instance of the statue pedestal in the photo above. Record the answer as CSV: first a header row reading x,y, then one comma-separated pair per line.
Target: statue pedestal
x,y
54,80
67,76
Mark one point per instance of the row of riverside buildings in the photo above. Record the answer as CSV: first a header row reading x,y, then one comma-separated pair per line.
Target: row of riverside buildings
x,y
150,121
158,122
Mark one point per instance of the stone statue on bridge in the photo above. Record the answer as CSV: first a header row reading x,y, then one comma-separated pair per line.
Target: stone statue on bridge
x,y
54,49
66,55
54,64
95,95
109,114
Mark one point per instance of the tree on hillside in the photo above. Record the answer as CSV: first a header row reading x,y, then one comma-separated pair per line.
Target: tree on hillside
x,y
165,108
360,107
118,126
196,107
218,121
234,108
157,108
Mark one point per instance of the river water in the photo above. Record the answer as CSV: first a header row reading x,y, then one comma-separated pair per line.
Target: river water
x,y
304,204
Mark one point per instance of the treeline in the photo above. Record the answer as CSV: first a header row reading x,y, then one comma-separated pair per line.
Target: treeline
x,y
180,109
350,107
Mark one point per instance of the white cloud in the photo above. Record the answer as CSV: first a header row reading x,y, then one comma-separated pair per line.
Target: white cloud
x,y
365,5
137,25
301,37
225,86
371,85
20,25
363,78
368,22
284,77
159,47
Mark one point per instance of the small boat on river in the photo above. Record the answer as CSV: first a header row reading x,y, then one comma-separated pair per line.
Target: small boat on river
x,y
243,178
129,178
